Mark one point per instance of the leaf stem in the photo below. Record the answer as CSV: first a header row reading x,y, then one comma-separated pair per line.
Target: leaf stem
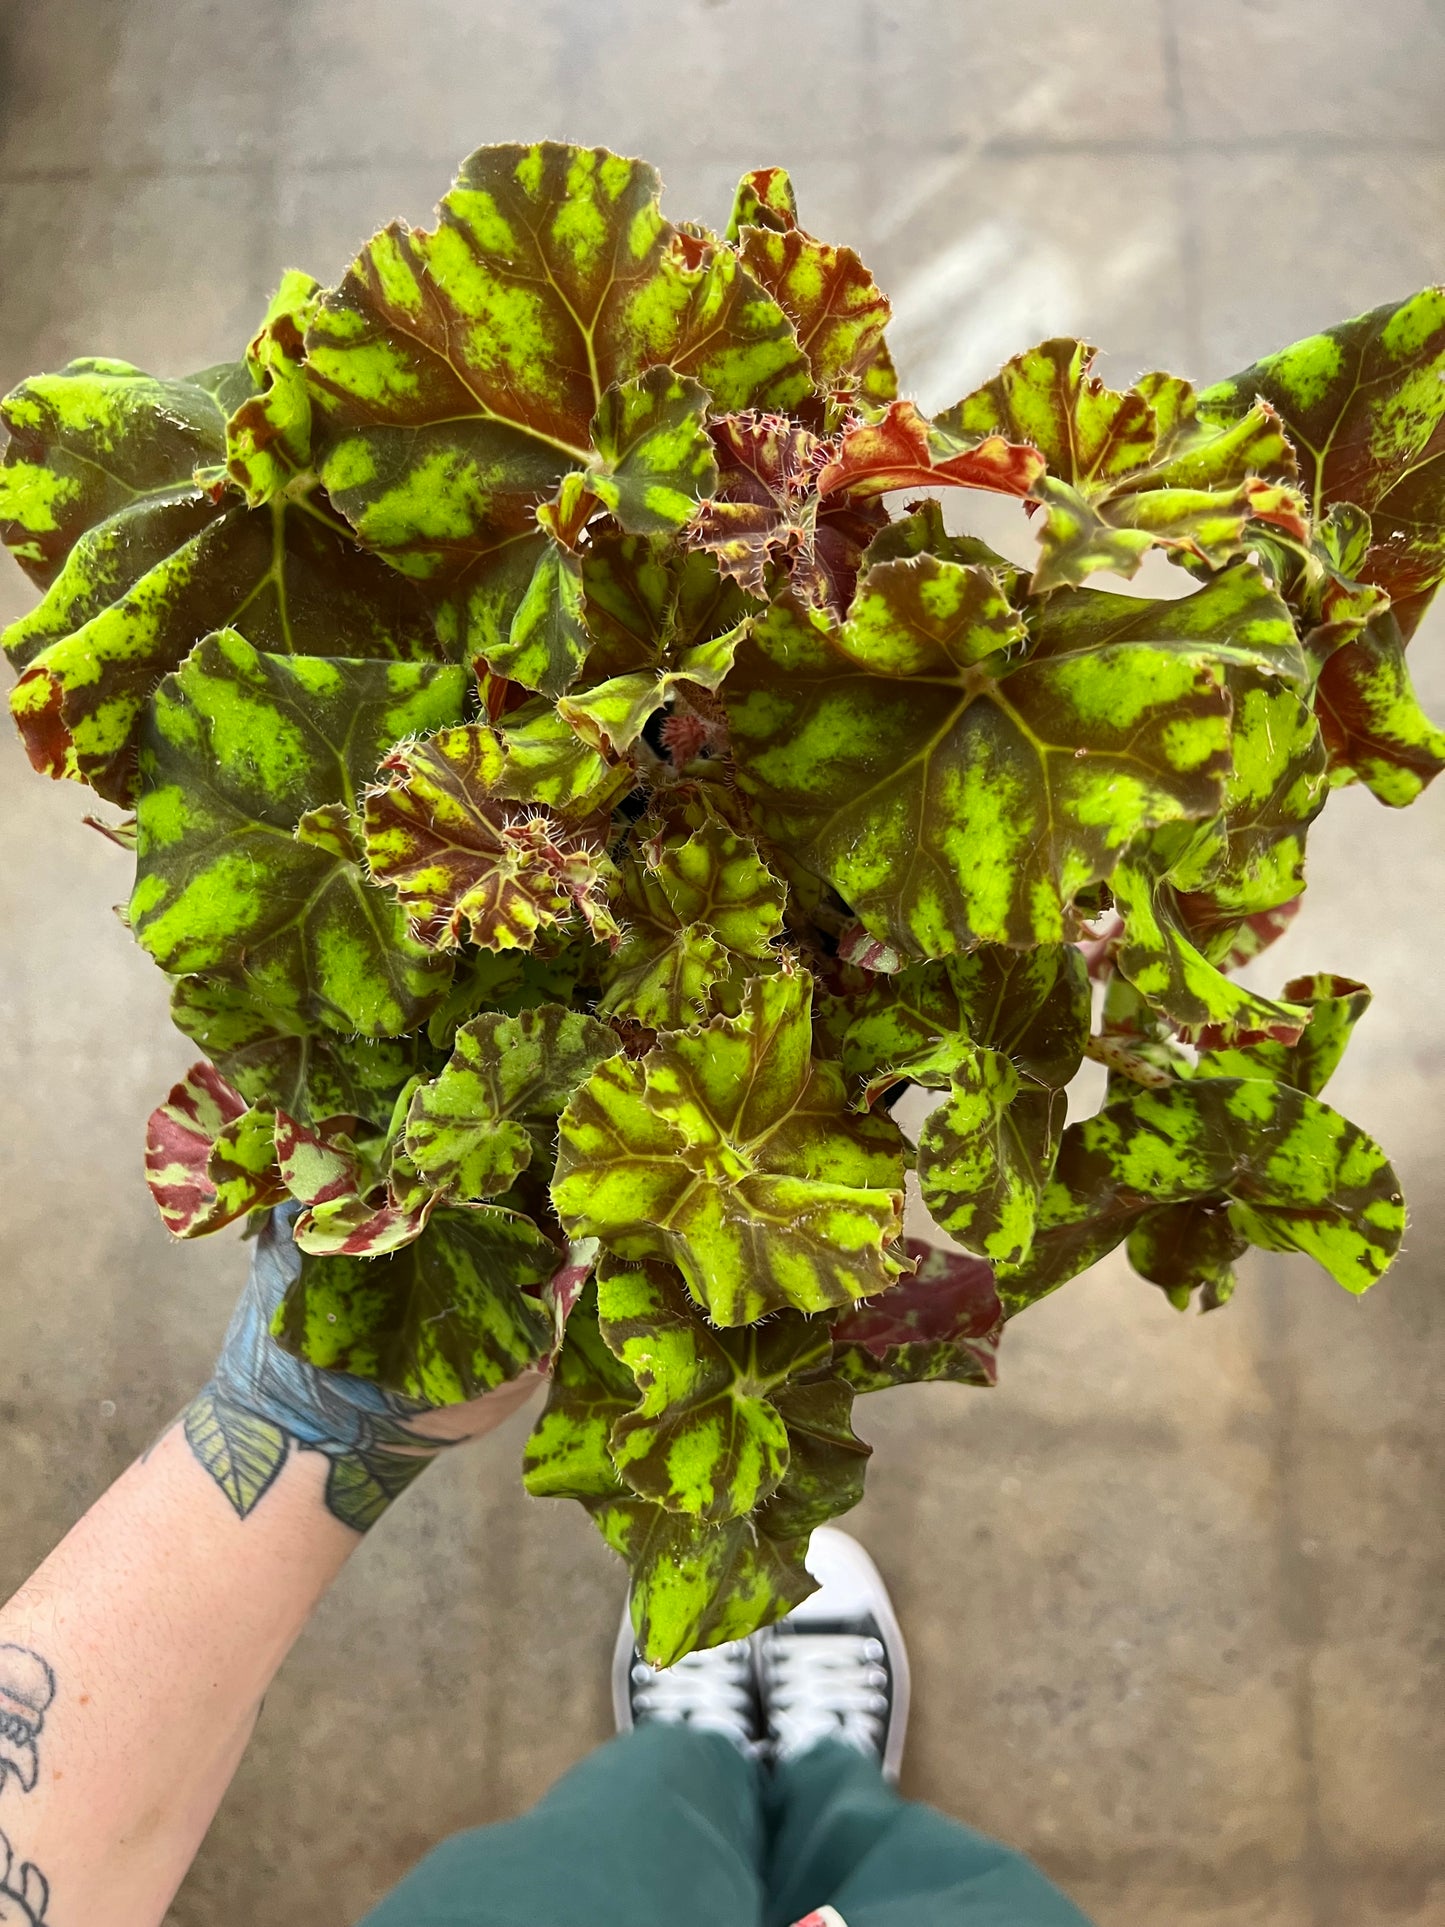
x,y
1116,1055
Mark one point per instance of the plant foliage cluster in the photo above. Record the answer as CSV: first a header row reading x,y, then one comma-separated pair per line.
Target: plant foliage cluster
x,y
580,781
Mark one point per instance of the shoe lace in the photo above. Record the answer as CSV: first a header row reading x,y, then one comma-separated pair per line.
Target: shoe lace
x,y
825,1686
711,1690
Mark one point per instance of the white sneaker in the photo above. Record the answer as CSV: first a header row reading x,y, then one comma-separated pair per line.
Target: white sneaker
x,y
836,1668
714,1691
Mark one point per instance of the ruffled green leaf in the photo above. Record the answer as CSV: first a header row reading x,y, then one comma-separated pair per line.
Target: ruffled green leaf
x,y
468,855
943,1322
1336,1005
654,458
268,438
1295,1175
1003,1032
1236,618
151,562
826,1458
1371,718
949,786
95,440
239,746
1159,957
658,619
568,1455
278,1061
546,643
509,981
921,1024
730,1153
460,369
693,1583
1364,405
1129,472
1183,901
209,1158
838,309
983,1161
700,908
696,1585
452,1315
709,1435
475,1128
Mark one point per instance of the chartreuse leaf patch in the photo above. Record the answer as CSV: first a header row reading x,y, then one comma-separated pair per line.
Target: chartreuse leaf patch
x,y
1371,719
1183,898
452,1314
99,437
707,1436
1291,1174
694,1582
660,622
950,786
268,438
279,1056
1335,1005
142,561
1003,1032
1128,472
701,910
731,1153
463,372
1363,405
837,308
239,748
477,1126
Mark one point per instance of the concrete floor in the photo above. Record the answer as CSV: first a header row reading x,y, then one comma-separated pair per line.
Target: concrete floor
x,y
1174,1589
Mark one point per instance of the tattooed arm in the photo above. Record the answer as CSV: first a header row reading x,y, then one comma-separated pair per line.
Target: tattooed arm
x,y
133,1663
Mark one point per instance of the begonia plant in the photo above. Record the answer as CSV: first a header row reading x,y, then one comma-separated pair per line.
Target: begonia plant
x,y
580,777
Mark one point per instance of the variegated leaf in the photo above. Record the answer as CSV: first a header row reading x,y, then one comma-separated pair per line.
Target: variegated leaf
x,y
942,1322
1128,472
1295,1175
477,1125
238,748
268,438
466,856
209,1157
460,369
952,787
729,1152
450,1316
708,1435
700,908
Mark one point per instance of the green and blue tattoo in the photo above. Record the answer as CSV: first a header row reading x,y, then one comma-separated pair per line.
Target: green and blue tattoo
x,y
262,1404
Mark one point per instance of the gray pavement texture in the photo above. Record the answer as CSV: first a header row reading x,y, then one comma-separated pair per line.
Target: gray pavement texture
x,y
1174,1589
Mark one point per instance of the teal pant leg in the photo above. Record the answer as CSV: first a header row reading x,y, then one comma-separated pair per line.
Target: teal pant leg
x,y
842,1837
659,1827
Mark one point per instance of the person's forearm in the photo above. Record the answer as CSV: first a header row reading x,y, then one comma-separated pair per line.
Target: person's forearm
x,y
158,1624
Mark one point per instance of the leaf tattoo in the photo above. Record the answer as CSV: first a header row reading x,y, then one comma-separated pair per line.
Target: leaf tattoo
x,y
263,1404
